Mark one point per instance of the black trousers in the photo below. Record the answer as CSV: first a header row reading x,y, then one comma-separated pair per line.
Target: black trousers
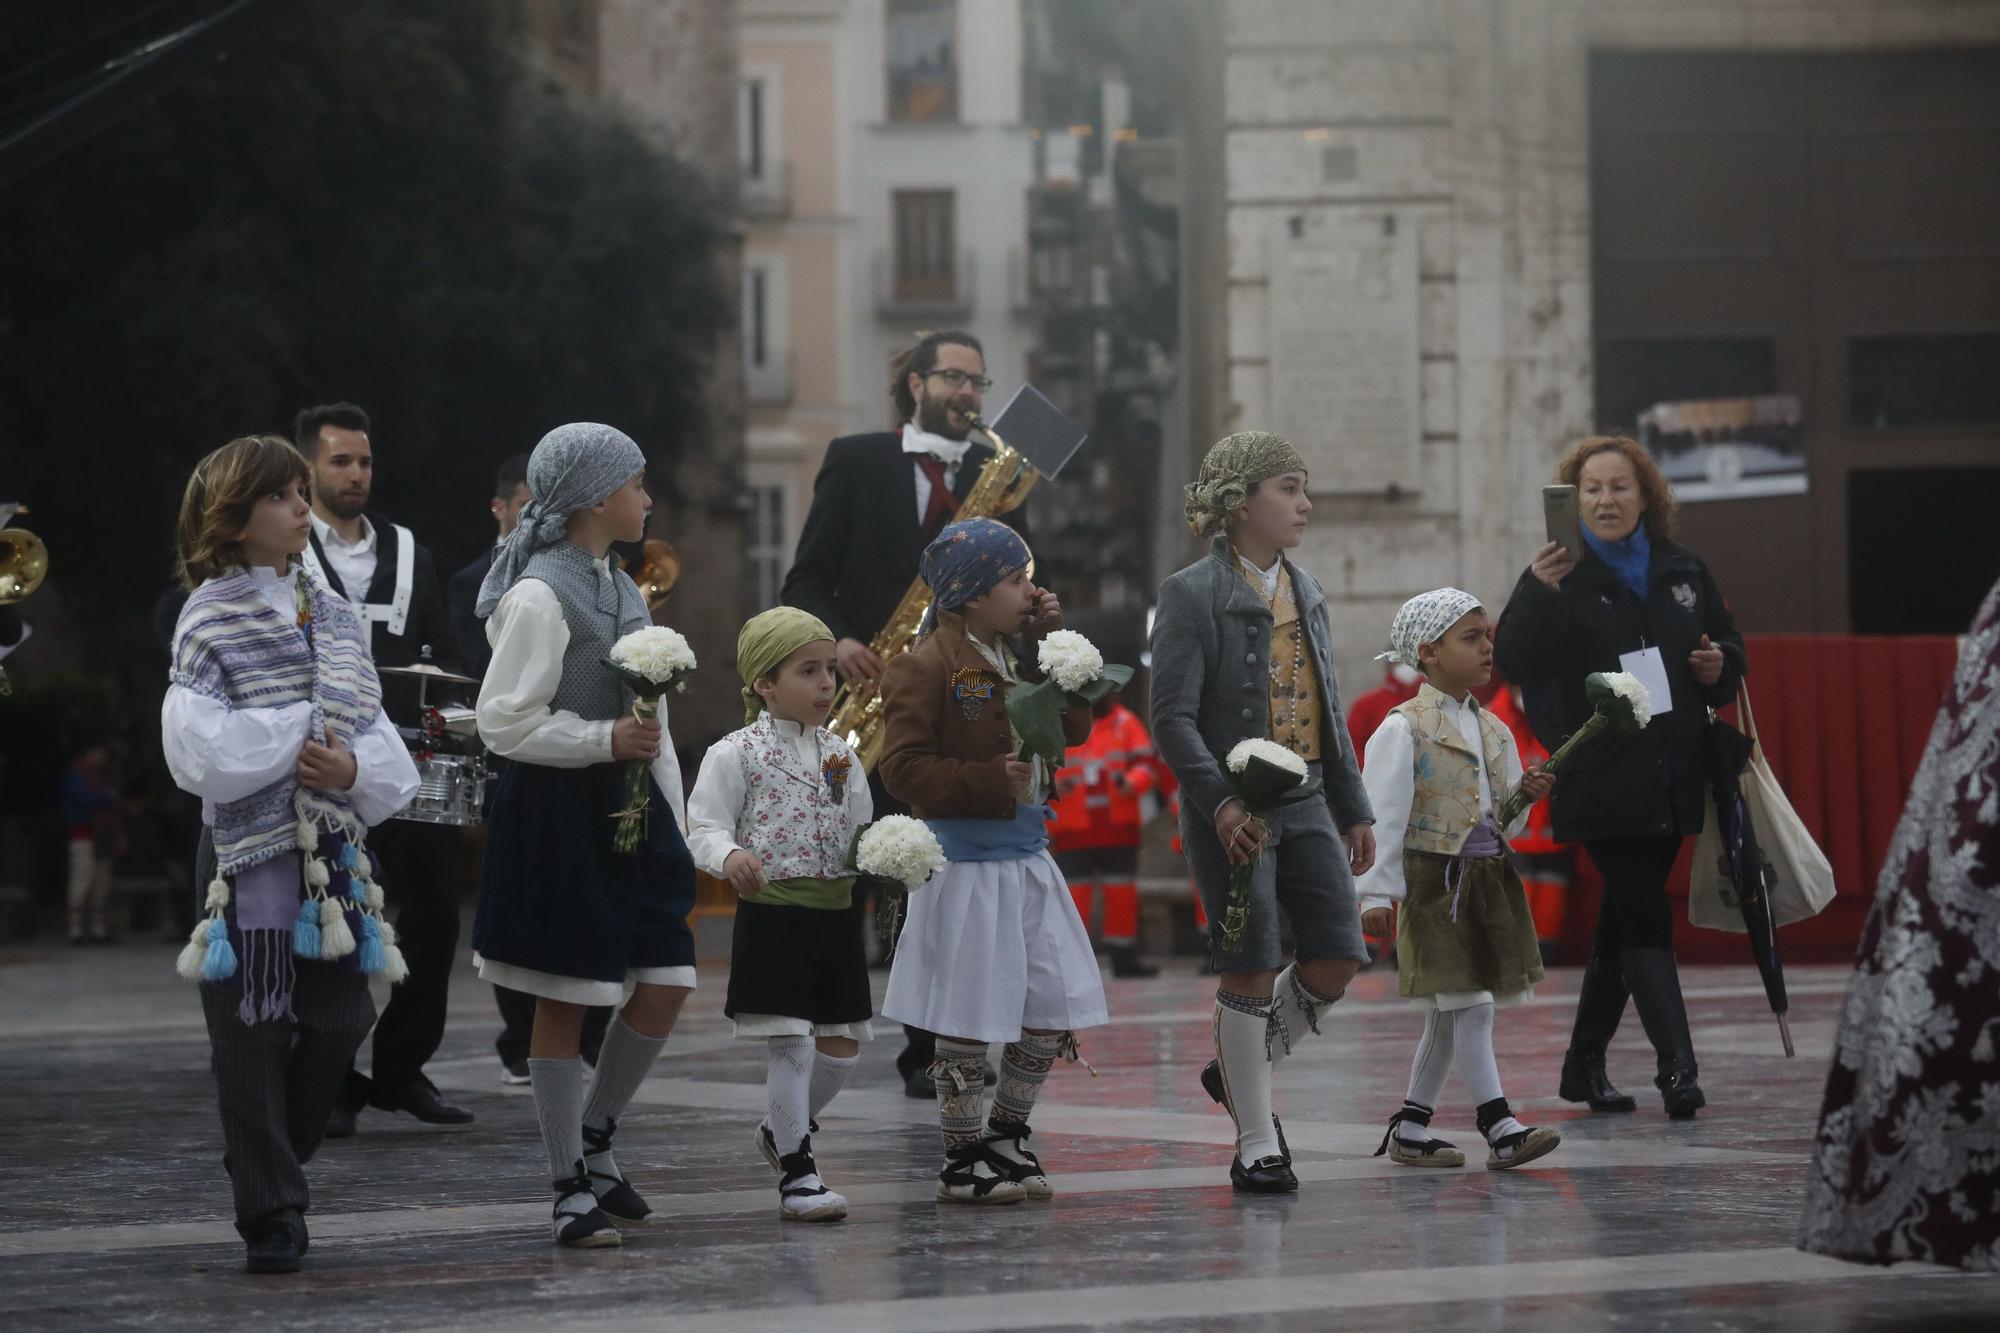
x,y
276,1082
423,878
1634,912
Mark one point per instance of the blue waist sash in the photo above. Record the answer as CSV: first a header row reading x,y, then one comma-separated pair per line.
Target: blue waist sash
x,y
994,839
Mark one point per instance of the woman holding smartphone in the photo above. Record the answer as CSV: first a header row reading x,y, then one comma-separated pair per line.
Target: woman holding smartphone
x,y
1635,602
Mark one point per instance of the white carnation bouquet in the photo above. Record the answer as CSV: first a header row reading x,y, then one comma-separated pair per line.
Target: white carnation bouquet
x,y
650,661
1621,705
1074,676
1266,777
899,854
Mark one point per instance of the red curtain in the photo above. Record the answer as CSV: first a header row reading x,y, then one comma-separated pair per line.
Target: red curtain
x,y
1843,721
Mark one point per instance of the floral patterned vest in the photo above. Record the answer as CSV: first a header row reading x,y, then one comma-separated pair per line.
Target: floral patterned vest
x,y
1447,804
795,820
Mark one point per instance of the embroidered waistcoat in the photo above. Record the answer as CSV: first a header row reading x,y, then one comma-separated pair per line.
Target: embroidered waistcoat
x,y
798,822
1446,771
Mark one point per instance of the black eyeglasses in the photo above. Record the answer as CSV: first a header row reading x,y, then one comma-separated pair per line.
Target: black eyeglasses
x,y
958,379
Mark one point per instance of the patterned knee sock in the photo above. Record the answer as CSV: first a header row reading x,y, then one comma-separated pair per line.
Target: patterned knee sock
x,y
829,1076
1242,1042
1297,1010
1024,1067
558,1088
622,1065
959,1071
788,1086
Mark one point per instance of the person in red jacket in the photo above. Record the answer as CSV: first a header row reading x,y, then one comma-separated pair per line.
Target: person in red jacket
x,y
1399,686
1100,791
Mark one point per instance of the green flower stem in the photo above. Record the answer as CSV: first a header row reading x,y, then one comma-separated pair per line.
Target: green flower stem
x,y
1518,802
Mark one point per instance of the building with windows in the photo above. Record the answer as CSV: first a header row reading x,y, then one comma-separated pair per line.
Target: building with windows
x,y
885,175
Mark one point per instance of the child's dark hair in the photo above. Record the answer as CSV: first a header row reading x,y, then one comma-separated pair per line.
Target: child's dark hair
x,y
224,488
922,359
306,425
513,472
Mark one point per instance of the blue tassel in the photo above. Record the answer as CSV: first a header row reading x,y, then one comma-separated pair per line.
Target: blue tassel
x,y
220,964
373,959
357,889
348,860
305,930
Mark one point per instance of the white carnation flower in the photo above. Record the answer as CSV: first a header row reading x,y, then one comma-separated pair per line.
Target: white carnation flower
x,y
1270,752
900,848
1071,660
654,653
1634,692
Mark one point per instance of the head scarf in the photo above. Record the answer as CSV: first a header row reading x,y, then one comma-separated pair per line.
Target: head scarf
x,y
1234,465
1424,619
966,560
574,467
766,641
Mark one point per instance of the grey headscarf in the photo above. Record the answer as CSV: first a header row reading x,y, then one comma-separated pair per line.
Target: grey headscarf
x,y
573,468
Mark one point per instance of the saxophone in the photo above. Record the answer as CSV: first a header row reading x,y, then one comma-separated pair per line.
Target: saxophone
x,y
1004,482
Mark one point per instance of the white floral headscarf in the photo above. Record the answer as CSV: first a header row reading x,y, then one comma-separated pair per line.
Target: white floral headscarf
x,y
1424,619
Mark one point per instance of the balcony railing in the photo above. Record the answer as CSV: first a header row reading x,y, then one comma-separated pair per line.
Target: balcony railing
x,y
904,295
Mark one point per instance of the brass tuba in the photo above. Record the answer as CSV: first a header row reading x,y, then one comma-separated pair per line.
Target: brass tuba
x,y
1004,482
24,563
659,570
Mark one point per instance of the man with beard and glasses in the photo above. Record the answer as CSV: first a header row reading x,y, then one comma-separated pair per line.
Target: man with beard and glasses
x,y
392,581
879,500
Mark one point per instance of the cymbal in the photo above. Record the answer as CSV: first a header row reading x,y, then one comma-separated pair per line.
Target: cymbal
x,y
428,672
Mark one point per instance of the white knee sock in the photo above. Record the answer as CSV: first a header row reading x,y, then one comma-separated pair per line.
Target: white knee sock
x,y
558,1088
829,1076
622,1065
1472,1040
1427,1072
1298,1010
788,1087
1242,1033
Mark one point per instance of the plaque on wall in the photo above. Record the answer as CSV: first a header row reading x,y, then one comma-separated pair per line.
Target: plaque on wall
x,y
1343,342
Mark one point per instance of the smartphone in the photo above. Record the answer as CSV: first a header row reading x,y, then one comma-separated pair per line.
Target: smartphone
x,y
1565,522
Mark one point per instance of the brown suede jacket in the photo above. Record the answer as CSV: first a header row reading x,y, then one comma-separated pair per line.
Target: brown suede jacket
x,y
946,741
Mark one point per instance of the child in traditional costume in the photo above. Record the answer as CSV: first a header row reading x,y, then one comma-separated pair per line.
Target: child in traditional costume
x,y
1243,650
775,811
563,915
1440,769
993,950
273,717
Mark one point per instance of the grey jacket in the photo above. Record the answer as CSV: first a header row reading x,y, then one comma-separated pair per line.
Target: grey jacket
x,y
1211,682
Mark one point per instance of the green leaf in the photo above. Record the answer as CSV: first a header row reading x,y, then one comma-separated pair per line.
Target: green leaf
x,y
1036,711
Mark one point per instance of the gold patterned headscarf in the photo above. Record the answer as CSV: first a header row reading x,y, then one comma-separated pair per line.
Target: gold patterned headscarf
x,y
1233,466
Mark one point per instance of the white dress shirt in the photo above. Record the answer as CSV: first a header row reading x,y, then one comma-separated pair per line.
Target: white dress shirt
x,y
529,637
949,452
716,803
1266,578
353,563
222,753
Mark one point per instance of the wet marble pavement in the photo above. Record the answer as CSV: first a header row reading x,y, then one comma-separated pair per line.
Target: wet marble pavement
x,y
114,1212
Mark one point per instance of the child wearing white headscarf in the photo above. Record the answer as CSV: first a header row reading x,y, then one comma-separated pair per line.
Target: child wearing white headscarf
x,y
1439,770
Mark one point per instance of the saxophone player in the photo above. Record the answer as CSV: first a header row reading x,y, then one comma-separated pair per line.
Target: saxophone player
x,y
880,498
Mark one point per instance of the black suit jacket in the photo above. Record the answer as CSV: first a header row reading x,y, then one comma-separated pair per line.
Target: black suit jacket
x,y
427,623
468,629
862,543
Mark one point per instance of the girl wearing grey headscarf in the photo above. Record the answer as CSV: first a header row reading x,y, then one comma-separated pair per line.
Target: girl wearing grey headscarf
x,y
562,914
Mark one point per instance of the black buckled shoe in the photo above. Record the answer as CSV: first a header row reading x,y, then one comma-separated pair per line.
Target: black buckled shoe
x,y
1681,1093
1211,1083
1266,1175
1584,1080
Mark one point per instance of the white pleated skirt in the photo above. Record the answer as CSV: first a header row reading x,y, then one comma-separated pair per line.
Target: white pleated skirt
x,y
992,947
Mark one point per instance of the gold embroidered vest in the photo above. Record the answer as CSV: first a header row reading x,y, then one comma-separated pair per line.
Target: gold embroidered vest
x,y
1446,772
1295,699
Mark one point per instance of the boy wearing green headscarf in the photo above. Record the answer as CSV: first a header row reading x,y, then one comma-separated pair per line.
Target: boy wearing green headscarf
x,y
774,813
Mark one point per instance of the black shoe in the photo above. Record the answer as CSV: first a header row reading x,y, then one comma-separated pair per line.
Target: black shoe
x,y
514,1073
422,1100
1211,1083
274,1251
340,1125
589,1229
615,1194
917,1083
1584,1080
1125,962
1681,1093
1266,1175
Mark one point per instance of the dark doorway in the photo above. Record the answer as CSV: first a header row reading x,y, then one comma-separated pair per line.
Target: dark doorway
x,y
1922,554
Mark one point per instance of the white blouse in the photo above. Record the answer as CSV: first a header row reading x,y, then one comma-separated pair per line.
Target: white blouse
x,y
529,637
1392,789
716,803
224,754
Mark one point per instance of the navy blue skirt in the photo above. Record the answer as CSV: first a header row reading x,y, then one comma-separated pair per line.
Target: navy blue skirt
x,y
555,897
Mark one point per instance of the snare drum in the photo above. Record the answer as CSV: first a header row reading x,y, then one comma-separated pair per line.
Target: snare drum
x,y
451,789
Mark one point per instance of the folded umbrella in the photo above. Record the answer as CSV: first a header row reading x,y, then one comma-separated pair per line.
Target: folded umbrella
x,y
1744,864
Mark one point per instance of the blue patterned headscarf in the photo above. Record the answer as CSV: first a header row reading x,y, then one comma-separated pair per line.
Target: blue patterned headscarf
x,y
966,561
573,468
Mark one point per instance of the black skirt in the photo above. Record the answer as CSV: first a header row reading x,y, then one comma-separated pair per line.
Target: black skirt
x,y
553,895
798,962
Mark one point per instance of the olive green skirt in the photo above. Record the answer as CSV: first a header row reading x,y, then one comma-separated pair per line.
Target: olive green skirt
x,y
1488,944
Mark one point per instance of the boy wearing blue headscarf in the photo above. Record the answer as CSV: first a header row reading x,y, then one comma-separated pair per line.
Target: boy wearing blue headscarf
x,y
563,915
993,949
